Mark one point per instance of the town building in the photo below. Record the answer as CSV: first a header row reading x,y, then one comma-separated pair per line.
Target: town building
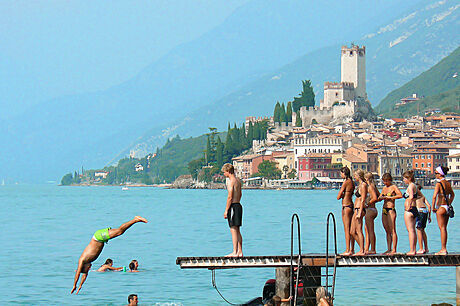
x,y
367,154
313,165
354,162
427,158
396,165
319,144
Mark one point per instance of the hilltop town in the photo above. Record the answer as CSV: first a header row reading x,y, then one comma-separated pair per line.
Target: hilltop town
x,y
303,145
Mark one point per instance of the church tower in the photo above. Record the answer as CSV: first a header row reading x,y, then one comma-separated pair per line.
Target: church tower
x,y
353,68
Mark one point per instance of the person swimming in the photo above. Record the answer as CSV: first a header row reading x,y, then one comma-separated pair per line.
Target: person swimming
x,y
346,194
108,266
443,197
359,210
390,193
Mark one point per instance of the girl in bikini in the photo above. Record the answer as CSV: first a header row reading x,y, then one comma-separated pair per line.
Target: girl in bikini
x,y
424,214
390,193
359,210
442,192
346,194
410,209
371,213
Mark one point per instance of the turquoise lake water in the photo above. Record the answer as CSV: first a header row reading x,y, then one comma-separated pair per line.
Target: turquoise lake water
x,y
45,229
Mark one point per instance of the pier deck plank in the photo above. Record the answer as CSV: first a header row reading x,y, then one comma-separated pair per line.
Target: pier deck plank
x,y
319,260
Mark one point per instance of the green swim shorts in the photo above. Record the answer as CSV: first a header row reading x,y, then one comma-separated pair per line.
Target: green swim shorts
x,y
102,235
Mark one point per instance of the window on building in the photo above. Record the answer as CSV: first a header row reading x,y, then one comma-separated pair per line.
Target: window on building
x,y
416,165
428,165
423,165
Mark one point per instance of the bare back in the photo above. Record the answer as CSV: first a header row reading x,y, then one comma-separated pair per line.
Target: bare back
x,y
235,188
441,199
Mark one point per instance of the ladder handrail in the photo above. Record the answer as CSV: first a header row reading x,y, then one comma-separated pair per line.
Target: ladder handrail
x,y
327,253
291,287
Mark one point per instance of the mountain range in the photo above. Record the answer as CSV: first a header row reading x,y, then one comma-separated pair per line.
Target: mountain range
x,y
257,56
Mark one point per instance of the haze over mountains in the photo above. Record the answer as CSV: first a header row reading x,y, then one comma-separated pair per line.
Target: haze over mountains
x,y
229,73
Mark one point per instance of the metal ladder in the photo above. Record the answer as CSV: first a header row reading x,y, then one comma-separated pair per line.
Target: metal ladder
x,y
293,290
327,256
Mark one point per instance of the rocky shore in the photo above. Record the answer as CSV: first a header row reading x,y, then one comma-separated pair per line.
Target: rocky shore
x,y
187,182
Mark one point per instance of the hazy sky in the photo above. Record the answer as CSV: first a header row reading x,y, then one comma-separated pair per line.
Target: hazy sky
x,y
52,48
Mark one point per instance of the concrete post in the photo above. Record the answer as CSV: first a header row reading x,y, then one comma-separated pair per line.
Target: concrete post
x,y
282,284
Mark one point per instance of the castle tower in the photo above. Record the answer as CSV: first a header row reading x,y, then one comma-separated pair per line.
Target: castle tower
x,y
353,68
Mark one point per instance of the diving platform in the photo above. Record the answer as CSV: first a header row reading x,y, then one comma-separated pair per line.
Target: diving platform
x,y
319,260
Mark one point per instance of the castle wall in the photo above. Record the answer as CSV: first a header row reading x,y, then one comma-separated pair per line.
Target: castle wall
x,y
323,115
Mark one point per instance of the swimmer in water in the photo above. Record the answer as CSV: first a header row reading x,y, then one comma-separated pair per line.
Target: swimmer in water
x,y
371,213
410,209
424,214
133,266
346,194
443,196
108,266
390,193
94,249
360,210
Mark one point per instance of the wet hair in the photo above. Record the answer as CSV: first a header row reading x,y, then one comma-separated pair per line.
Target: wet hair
x,y
360,174
387,177
369,177
409,175
228,167
132,265
444,170
108,261
346,171
130,297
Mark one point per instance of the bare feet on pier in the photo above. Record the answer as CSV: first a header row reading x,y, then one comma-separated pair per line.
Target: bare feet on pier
x,y
421,252
231,255
360,253
410,253
442,252
347,253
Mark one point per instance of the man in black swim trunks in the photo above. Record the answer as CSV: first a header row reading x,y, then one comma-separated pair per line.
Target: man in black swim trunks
x,y
234,211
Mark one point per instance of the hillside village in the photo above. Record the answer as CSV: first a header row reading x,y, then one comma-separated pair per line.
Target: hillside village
x,y
344,131
306,145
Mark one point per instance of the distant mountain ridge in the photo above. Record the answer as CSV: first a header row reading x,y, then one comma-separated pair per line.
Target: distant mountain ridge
x,y
438,79
396,52
88,129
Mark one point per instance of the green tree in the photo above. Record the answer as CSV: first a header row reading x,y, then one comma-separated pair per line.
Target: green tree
x,y
283,117
268,169
289,111
277,112
298,120
292,174
219,153
67,179
194,166
209,152
307,97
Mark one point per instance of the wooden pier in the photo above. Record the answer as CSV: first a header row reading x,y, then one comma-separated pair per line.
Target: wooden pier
x,y
319,260
312,264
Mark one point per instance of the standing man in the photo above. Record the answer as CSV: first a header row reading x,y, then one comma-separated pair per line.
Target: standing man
x,y
94,249
234,211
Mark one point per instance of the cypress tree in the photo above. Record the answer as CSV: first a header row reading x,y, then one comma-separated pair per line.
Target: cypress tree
x,y
298,121
289,112
250,132
283,113
277,112
256,134
219,153
208,152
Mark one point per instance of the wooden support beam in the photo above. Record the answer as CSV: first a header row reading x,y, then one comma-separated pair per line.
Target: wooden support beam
x,y
283,280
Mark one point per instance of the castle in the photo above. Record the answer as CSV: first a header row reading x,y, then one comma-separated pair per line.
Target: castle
x,y
341,99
